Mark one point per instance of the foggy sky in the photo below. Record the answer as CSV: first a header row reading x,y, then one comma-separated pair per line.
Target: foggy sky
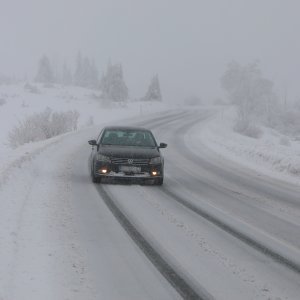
x,y
187,42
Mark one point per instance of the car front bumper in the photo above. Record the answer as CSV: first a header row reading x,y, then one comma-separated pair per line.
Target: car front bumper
x,y
114,170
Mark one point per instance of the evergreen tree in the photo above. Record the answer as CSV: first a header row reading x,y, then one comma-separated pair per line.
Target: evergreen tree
x,y
66,75
113,85
78,75
94,76
86,73
153,93
45,72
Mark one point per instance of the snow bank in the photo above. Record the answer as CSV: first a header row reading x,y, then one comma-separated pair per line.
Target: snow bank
x,y
272,154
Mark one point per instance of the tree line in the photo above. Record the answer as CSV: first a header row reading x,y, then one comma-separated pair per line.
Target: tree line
x,y
112,83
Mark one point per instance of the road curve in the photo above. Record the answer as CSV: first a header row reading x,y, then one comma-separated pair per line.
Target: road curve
x,y
192,175
213,231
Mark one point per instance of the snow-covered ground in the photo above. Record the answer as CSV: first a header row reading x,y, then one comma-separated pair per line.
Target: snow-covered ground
x,y
37,228
272,154
59,241
25,99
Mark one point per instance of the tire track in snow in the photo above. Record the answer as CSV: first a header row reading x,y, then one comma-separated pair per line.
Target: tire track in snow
x,y
221,223
261,247
286,255
174,277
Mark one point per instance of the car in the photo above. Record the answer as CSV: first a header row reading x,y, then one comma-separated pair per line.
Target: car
x,y
127,152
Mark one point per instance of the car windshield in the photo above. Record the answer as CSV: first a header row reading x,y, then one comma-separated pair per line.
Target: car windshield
x,y
126,137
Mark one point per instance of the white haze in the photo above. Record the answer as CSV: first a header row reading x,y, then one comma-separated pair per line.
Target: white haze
x,y
188,43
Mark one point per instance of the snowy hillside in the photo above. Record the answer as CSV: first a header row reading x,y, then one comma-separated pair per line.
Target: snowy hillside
x,y
272,154
18,102
61,241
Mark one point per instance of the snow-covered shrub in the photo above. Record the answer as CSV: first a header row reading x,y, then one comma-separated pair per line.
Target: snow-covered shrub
x,y
63,122
41,126
30,130
247,128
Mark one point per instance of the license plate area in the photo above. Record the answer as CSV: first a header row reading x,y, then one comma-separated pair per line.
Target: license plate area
x,y
130,169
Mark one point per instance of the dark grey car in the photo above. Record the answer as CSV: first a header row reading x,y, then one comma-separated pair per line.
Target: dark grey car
x,y
128,153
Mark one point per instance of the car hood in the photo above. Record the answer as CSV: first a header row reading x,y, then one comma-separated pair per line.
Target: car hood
x,y
129,152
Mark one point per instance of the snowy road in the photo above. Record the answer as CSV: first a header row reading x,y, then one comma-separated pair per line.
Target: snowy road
x,y
213,231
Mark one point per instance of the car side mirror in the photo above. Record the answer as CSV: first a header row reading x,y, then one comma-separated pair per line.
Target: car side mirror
x,y
162,145
93,142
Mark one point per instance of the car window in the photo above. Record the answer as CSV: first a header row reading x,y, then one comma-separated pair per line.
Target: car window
x,y
128,138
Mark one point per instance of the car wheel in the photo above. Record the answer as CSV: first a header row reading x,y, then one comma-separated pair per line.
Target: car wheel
x,y
94,178
159,181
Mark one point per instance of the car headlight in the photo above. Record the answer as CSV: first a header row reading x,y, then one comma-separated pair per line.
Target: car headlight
x,y
103,158
155,160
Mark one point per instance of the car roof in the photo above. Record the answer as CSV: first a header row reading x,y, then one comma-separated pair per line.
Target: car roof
x,y
134,128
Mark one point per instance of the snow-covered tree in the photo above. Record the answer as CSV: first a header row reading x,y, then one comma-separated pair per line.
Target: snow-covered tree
x,y
94,74
113,85
78,75
45,72
86,73
89,73
66,75
247,89
153,93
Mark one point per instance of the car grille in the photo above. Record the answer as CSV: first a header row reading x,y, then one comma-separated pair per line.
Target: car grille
x,y
130,161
